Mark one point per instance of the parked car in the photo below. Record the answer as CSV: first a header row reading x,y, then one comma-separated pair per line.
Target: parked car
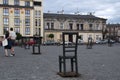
x,y
80,41
66,43
104,41
50,42
100,42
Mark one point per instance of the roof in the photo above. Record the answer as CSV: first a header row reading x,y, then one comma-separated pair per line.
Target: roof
x,y
71,16
113,25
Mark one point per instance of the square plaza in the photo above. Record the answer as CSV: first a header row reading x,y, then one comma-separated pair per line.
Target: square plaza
x,y
99,63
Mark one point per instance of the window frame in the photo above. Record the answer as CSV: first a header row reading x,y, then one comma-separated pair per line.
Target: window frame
x,y
6,21
27,22
16,2
27,3
5,2
17,29
27,30
17,21
5,11
17,12
27,12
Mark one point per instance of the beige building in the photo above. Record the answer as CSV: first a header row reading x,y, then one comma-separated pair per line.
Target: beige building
x,y
85,25
25,16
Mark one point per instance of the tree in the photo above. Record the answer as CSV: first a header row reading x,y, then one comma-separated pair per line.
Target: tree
x,y
51,36
19,36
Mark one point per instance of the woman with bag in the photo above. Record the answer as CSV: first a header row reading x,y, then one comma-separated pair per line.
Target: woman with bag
x,y
7,46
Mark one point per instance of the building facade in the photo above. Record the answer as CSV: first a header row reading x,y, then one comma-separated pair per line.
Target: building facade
x,y
85,25
113,30
25,16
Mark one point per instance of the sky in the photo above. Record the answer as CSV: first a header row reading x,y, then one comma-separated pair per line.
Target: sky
x,y
108,9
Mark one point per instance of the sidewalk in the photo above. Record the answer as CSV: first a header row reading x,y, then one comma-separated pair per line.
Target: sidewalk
x,y
99,63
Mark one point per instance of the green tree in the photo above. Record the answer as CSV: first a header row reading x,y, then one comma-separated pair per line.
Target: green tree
x,y
19,36
51,36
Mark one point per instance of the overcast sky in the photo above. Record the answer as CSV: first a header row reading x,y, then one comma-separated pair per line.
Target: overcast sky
x,y
108,9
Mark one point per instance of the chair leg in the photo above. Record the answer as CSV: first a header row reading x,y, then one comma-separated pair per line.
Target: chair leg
x,y
72,65
60,64
64,66
76,65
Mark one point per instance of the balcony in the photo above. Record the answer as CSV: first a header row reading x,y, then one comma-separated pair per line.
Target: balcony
x,y
73,30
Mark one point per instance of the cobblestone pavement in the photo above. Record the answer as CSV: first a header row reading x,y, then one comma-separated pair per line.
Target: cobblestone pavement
x,y
99,63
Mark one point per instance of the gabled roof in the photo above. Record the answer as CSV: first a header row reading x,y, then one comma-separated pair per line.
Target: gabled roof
x,y
71,16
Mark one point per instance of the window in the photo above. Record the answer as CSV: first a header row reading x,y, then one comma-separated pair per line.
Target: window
x,y
16,12
27,12
27,22
61,25
5,21
37,13
70,26
52,25
5,1
5,11
6,28
81,26
17,21
27,31
77,26
48,25
39,22
37,3
97,26
17,29
90,27
27,3
35,22
16,2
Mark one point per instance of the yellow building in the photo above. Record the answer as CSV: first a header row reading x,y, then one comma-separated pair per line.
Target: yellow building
x,y
25,16
85,25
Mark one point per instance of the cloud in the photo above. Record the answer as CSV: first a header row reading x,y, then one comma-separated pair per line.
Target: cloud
x,y
103,8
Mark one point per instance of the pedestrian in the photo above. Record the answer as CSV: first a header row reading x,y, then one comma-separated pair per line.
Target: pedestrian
x,y
7,46
12,36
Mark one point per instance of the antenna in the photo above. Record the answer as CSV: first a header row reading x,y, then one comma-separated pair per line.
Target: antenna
x,y
91,13
62,11
48,11
77,12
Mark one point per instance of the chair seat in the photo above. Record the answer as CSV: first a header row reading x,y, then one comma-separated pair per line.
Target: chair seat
x,y
67,57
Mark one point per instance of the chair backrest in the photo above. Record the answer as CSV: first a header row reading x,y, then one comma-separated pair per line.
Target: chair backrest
x,y
70,43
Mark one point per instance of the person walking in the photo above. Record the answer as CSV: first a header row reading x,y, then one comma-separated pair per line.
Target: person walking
x,y
7,46
12,36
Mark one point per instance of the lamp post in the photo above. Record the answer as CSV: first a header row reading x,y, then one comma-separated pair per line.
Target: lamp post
x,y
109,42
